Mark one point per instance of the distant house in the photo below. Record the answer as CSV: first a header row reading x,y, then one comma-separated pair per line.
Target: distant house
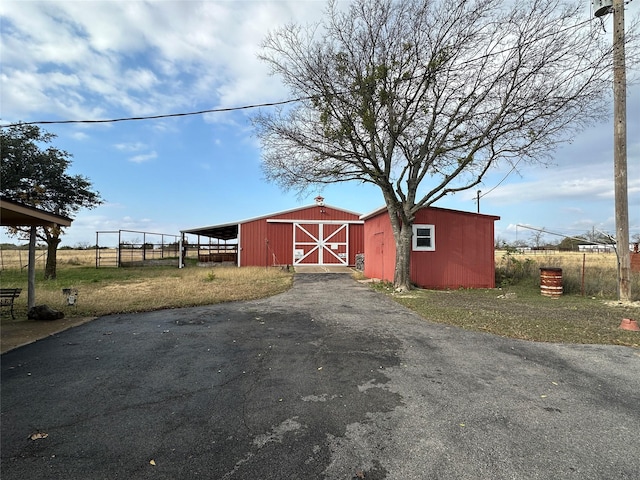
x,y
451,249
599,248
312,235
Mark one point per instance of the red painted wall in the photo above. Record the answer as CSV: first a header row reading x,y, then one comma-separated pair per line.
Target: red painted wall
x,y
463,256
264,242
379,248
252,242
356,241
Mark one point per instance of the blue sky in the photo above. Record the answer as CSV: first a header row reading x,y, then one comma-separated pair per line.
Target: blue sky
x,y
110,59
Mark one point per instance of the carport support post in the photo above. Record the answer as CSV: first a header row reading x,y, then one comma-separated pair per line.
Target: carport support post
x,y
31,270
181,252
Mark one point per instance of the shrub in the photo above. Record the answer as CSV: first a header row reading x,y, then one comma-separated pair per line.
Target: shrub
x,y
594,275
512,270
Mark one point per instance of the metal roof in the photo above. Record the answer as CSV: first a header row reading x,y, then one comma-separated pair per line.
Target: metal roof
x,y
380,210
15,214
227,231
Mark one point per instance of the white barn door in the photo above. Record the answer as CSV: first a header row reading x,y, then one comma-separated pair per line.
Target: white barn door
x,y
320,243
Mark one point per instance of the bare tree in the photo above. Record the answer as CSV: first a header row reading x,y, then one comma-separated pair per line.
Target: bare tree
x,y
422,98
536,237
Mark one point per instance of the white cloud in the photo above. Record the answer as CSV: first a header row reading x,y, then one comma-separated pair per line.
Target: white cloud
x,y
130,147
572,182
145,157
543,189
79,136
109,59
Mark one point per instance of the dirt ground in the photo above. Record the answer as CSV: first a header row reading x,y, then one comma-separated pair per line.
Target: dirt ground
x,y
15,333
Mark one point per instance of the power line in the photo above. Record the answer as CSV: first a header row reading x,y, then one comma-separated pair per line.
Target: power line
x,y
503,179
155,117
269,104
584,240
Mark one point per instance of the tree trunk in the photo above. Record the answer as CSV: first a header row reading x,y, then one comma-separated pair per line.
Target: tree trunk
x,y
52,257
402,274
401,224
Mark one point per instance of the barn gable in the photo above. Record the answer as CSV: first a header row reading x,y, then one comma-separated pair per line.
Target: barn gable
x,y
451,248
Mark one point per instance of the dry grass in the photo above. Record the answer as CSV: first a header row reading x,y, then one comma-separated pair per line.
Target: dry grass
x,y
115,290
591,274
557,258
518,310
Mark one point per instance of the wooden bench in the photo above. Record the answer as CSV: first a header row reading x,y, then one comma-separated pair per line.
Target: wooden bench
x,y
7,297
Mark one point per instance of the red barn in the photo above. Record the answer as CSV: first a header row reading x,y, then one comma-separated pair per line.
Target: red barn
x,y
451,249
313,235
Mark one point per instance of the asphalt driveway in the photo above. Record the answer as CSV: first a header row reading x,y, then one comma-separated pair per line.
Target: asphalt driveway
x,y
327,381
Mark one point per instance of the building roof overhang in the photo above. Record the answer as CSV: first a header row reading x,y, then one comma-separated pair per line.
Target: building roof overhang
x,y
15,214
228,231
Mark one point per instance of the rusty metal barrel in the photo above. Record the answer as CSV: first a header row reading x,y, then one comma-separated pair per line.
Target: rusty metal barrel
x,y
551,282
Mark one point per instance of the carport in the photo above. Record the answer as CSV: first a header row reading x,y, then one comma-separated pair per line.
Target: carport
x,y
212,252
15,214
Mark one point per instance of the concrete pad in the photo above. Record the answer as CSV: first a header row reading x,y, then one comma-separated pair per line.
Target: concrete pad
x,y
21,332
323,269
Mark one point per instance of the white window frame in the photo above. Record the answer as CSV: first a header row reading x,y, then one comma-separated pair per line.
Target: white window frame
x,y
414,238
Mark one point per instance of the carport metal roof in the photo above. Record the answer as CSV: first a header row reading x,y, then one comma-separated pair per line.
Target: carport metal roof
x,y
228,231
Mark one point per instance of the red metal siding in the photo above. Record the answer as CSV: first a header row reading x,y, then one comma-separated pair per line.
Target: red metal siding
x,y
356,241
280,241
379,248
268,240
266,244
253,243
463,256
315,212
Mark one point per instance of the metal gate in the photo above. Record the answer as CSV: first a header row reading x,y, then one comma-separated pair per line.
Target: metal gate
x,y
320,243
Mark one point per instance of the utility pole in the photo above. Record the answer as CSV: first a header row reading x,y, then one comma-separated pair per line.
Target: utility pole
x,y
620,153
603,7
